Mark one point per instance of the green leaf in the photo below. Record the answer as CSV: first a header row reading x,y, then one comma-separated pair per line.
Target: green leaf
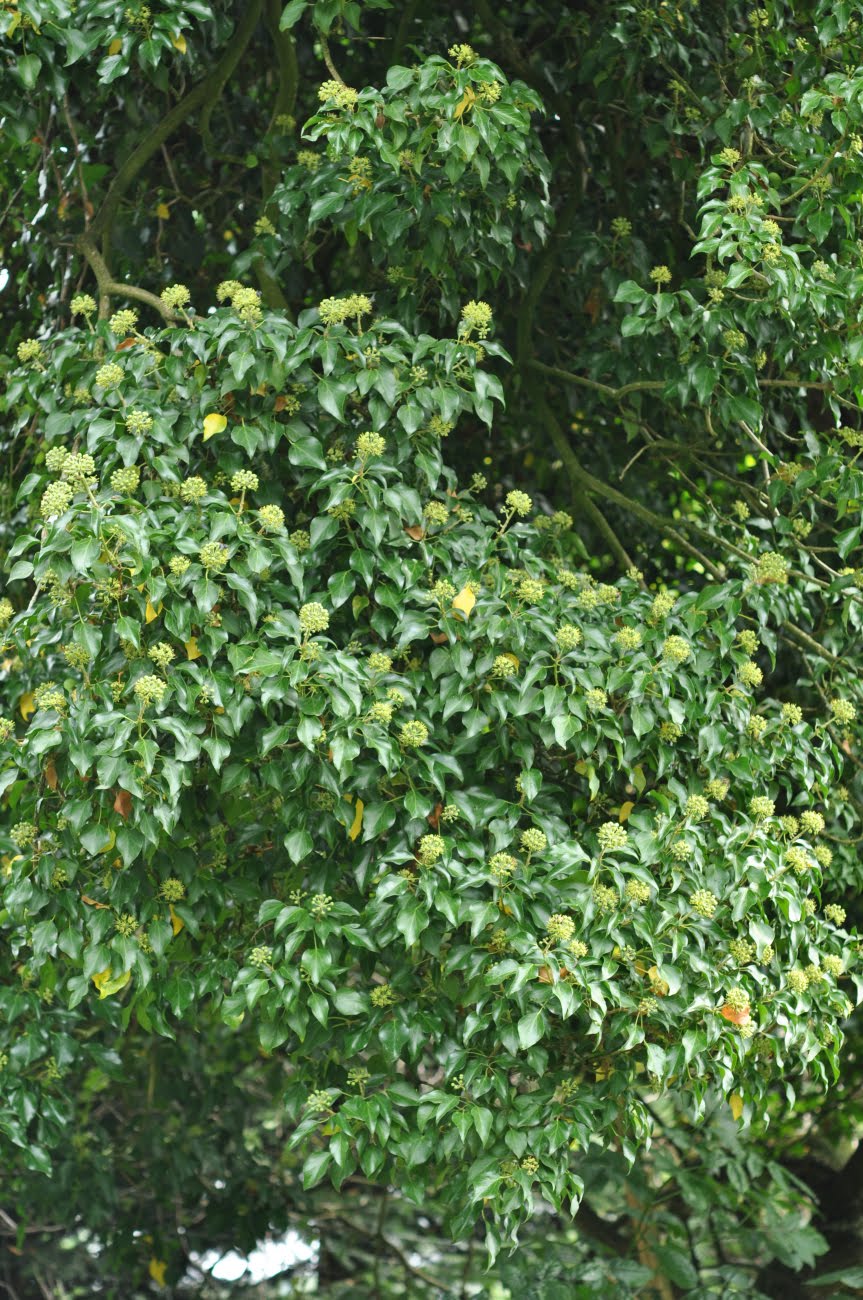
x,y
314,1168
27,67
299,845
292,13
85,553
531,1028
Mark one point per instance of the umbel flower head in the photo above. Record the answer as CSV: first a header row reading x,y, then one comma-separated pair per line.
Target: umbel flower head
x,y
175,296
413,734
476,318
123,322
149,689
213,555
568,637
675,650
534,840
109,375
611,836
704,902
272,520
335,94
335,311
560,927
431,847
313,618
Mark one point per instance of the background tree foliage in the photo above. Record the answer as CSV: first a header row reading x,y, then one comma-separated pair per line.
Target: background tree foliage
x,y
430,678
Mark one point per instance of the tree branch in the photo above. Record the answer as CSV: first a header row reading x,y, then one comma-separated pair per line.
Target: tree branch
x,y
109,288
189,104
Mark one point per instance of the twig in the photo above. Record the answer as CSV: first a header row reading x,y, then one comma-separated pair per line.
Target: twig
x,y
82,184
328,59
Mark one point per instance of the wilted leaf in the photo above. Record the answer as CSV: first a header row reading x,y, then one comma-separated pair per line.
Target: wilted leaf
x,y
466,102
464,602
123,803
106,985
156,1269
357,824
213,424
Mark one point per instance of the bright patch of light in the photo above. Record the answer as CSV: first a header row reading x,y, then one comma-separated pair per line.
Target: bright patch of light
x,y
266,1261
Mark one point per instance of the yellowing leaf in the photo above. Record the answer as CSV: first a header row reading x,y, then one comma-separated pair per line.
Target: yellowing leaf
x,y
156,1269
179,43
464,602
357,824
177,922
625,810
658,985
639,780
735,1101
213,424
465,103
27,705
112,840
106,985
163,212
152,612
192,651
116,46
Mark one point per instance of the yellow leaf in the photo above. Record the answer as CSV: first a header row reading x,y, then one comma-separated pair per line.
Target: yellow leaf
x,y
152,612
658,985
213,424
625,810
179,43
357,824
106,985
192,651
465,103
639,780
112,840
177,922
735,1101
116,46
27,705
7,863
163,211
157,1270
464,601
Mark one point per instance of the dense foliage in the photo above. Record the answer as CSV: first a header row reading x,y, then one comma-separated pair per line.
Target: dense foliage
x,y
430,681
